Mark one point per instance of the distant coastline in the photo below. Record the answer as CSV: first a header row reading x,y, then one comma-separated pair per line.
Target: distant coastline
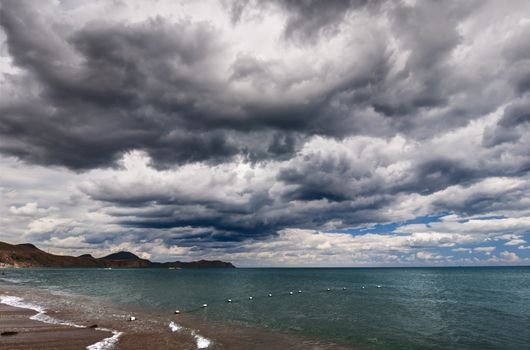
x,y
28,255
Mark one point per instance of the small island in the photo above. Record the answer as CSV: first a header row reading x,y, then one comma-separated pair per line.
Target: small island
x,y
28,255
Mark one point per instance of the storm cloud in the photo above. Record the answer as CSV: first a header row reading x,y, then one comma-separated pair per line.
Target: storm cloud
x,y
218,129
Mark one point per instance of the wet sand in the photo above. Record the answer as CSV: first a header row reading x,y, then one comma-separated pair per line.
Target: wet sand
x,y
150,331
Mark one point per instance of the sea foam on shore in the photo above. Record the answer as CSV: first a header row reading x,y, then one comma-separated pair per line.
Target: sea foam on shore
x,y
105,344
201,342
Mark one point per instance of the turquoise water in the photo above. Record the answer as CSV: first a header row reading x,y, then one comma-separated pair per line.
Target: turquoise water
x,y
414,308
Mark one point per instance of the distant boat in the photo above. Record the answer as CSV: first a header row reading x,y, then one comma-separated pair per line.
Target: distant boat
x,y
174,268
107,268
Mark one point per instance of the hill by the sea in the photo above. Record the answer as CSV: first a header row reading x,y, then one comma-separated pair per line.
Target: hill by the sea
x,y
28,255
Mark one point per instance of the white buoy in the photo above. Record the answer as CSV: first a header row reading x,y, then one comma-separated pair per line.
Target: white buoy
x,y
343,288
132,318
329,289
362,287
299,291
270,295
378,286
229,300
249,298
290,293
177,312
204,305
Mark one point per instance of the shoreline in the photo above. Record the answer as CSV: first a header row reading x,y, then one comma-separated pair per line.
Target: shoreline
x,y
152,329
33,314
27,328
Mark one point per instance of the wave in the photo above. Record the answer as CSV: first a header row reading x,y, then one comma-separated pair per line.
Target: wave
x,y
105,344
12,280
202,342
174,327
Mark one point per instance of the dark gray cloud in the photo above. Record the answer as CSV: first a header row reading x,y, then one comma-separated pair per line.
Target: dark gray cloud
x,y
106,88
338,112
109,88
510,127
309,20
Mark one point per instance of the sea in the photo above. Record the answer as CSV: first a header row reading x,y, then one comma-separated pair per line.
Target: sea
x,y
373,308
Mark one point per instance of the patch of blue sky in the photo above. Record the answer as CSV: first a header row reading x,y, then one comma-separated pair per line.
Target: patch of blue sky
x,y
466,254
484,250
389,227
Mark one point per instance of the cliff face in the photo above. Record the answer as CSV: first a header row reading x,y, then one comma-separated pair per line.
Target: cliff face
x,y
27,255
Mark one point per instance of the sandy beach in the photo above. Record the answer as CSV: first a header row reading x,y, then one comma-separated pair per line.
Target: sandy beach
x,y
150,330
20,332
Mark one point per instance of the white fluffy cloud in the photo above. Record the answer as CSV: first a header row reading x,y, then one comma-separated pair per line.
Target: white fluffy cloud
x,y
30,209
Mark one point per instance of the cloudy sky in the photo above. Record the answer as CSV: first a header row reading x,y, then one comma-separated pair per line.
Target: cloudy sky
x,y
268,133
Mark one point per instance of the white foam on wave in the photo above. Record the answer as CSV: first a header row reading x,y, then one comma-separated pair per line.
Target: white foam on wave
x,y
41,312
11,280
202,342
19,302
174,327
105,344
42,317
